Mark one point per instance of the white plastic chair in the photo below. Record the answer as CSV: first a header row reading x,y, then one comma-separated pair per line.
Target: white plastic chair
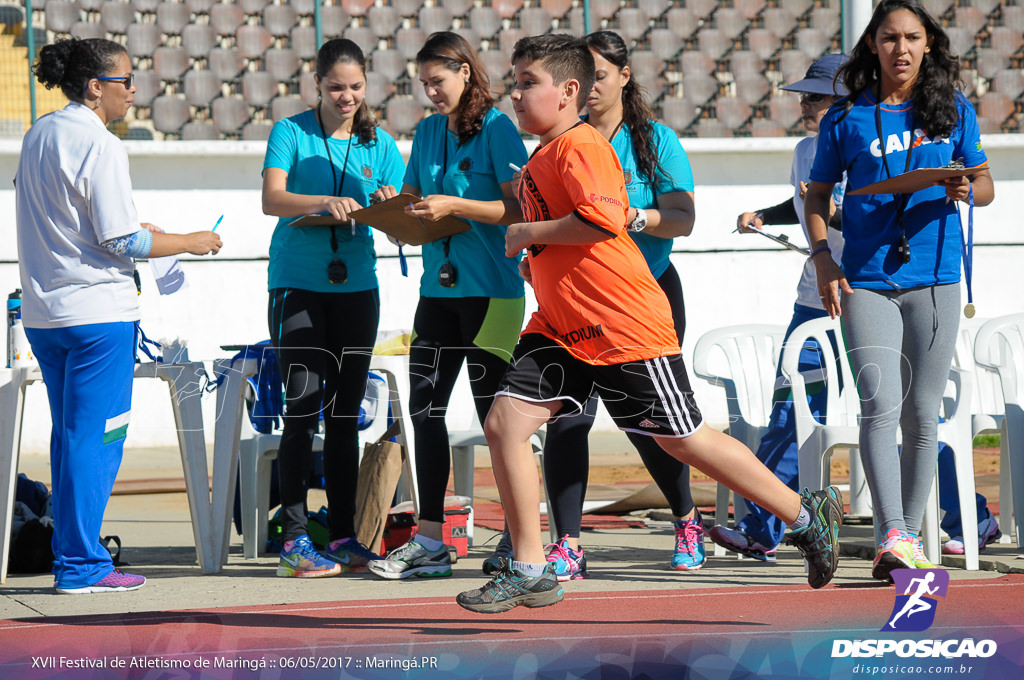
x,y
751,354
816,440
257,451
999,346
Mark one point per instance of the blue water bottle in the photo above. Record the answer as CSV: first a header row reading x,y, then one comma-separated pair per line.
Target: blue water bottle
x,y
13,319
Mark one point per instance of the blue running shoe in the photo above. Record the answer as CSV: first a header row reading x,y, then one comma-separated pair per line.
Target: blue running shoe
x,y
689,553
568,564
352,555
303,561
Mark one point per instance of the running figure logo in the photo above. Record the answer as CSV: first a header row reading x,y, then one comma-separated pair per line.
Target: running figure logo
x,y
914,610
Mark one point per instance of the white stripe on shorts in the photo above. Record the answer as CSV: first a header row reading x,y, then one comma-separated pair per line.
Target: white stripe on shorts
x,y
671,397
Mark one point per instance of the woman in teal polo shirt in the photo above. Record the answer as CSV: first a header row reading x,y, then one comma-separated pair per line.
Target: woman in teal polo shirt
x,y
324,303
471,296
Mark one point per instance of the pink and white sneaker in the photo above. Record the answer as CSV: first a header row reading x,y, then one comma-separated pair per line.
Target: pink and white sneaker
x,y
115,582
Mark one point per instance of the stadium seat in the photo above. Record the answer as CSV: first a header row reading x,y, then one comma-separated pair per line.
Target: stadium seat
x,y
89,6
379,87
793,65
199,131
170,63
646,68
749,8
308,90
251,7
799,7
169,113
420,95
147,86
652,9
535,20
333,20
826,19
226,62
116,16
200,6
937,7
257,131
507,9
364,36
201,87
403,115
230,114
389,63
995,106
989,61
281,62
88,29
286,106
682,22
745,62
253,41
763,42
470,35
709,127
813,42
357,8
1013,17
139,133
1005,40
279,19
198,40
970,18
303,41
507,39
504,104
731,21
693,62
572,23
172,17
732,111
762,127
407,8
408,41
961,40
485,20
1010,82
986,6
679,112
258,88
433,19
713,42
142,40
784,109
458,8
304,8
779,21
664,43
225,18
751,87
61,15
383,20
496,63
699,87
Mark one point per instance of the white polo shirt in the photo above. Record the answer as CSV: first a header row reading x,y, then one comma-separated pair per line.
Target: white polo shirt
x,y
73,192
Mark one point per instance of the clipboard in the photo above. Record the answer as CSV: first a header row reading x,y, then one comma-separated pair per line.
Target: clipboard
x,y
915,180
389,216
782,240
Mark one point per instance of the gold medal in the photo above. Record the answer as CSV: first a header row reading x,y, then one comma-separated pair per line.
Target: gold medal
x,y
969,310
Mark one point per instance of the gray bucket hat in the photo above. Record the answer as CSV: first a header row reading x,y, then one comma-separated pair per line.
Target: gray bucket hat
x,y
819,77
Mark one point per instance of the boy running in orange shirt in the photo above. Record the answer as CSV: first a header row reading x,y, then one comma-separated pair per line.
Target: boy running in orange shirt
x,y
603,324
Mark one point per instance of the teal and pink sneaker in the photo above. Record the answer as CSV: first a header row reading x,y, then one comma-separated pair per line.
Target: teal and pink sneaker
x,y
569,564
303,561
689,553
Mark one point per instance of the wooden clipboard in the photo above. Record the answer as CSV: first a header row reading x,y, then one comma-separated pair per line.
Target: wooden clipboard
x,y
389,216
915,180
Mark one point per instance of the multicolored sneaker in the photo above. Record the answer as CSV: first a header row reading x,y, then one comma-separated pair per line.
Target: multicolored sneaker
x,y
115,582
896,551
819,540
689,554
511,588
568,564
737,541
502,550
303,561
352,555
988,532
917,553
412,559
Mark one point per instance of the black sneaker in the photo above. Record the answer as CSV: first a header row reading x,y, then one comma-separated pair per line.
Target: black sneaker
x,y
510,588
502,550
819,541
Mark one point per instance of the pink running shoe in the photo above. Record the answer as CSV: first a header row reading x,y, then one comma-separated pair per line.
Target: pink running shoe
x,y
569,564
115,582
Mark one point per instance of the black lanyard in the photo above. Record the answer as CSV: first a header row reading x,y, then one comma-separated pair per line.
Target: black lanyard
x,y
334,175
440,183
901,199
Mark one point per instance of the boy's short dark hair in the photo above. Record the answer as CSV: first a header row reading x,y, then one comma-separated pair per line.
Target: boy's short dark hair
x,y
565,57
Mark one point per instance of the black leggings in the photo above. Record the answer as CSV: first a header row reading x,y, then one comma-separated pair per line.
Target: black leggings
x,y
567,456
323,343
445,333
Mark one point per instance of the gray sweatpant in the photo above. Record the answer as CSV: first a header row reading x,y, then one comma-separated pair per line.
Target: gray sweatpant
x,y
901,346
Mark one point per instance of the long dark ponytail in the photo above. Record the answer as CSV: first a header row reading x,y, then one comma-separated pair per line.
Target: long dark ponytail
x,y
344,51
636,114
71,63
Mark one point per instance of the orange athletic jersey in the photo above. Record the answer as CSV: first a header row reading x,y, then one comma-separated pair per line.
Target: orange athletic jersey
x,y
600,300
